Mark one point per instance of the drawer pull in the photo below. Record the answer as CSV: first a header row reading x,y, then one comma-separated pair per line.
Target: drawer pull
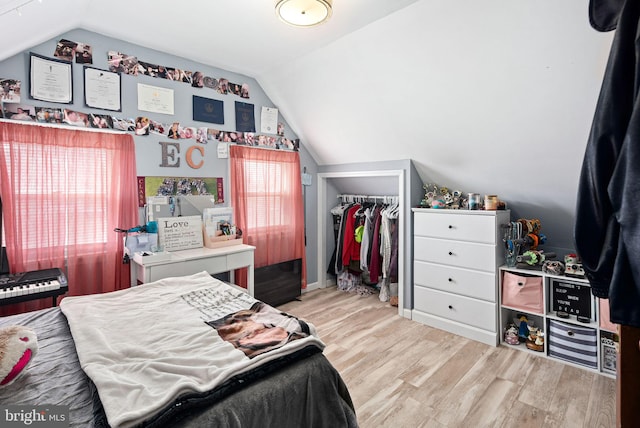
x,y
570,333
450,307
450,280
451,253
450,227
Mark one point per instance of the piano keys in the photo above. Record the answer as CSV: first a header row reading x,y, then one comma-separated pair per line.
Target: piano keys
x,y
38,284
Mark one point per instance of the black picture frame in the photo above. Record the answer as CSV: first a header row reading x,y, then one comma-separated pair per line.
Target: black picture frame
x,y
50,79
102,89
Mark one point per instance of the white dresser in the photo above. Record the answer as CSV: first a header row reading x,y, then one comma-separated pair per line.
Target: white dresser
x,y
455,270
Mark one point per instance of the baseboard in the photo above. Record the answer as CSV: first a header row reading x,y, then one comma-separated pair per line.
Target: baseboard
x,y
311,287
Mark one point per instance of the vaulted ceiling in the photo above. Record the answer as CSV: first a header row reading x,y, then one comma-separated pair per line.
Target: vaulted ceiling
x,y
244,36
491,96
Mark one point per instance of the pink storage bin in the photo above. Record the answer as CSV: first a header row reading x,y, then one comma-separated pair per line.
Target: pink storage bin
x,y
604,316
522,292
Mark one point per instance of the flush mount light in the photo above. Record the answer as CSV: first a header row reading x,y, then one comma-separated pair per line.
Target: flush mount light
x,y
304,13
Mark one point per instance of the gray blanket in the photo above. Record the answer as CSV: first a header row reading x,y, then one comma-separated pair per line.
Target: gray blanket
x,y
54,376
303,390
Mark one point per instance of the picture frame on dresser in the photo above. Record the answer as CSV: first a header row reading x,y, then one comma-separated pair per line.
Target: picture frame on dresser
x,y
457,254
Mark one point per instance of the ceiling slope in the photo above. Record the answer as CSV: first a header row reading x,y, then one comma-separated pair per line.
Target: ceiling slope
x,y
243,36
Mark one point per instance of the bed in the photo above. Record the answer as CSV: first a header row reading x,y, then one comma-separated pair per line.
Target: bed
x,y
181,352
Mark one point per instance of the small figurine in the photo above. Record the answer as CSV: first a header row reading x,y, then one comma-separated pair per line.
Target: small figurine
x,y
535,341
511,335
523,330
573,266
553,267
533,258
437,203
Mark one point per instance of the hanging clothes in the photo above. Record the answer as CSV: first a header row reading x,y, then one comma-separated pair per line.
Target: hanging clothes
x,y
337,213
366,238
393,263
375,263
607,229
366,247
350,248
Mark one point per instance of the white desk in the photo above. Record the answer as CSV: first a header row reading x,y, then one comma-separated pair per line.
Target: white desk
x,y
188,262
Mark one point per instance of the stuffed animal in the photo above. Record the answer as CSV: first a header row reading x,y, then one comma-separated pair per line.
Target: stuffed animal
x,y
18,346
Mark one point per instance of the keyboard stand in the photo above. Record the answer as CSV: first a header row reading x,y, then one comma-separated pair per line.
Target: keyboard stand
x,y
35,296
32,285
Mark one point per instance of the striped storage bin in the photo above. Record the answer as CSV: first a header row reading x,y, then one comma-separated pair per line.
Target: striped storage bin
x,y
573,343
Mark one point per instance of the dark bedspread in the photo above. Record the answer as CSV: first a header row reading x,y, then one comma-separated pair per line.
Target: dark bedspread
x,y
302,391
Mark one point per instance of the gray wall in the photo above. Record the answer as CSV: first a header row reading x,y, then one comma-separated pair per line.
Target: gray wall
x,y
148,150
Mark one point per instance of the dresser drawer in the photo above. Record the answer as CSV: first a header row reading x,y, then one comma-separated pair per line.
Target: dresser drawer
x,y
458,308
471,283
456,253
474,228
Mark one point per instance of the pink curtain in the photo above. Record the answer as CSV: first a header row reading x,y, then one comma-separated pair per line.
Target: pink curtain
x,y
266,195
63,193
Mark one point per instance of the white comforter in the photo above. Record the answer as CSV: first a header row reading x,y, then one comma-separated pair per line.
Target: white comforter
x,y
145,346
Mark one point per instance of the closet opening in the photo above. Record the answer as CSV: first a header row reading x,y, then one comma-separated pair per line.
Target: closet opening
x,y
327,200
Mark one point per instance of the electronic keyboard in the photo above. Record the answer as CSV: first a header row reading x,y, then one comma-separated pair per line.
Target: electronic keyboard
x,y
36,284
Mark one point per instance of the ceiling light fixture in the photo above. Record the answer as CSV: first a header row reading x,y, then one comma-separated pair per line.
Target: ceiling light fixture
x,y
304,13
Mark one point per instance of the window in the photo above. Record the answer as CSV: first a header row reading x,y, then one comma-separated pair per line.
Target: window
x,y
266,195
69,204
63,194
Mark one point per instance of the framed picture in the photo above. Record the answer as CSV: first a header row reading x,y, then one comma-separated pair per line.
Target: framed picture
x,y
50,79
155,99
102,89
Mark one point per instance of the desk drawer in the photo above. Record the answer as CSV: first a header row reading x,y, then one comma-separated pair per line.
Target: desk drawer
x,y
237,260
455,253
188,267
475,228
209,264
462,309
470,283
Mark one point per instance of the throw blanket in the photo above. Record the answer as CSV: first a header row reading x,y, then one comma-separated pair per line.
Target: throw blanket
x,y
146,346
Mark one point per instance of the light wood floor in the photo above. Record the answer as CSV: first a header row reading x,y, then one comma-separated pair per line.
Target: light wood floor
x,y
404,374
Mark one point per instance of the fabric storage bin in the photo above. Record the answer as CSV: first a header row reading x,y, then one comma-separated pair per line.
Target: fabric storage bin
x,y
605,323
573,343
522,292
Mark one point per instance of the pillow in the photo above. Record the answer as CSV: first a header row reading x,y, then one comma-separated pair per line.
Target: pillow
x,y
18,346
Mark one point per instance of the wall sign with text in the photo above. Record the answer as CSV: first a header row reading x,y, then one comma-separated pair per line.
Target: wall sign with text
x,y
180,233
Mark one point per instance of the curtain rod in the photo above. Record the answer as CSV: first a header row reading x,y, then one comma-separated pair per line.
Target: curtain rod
x,y
63,126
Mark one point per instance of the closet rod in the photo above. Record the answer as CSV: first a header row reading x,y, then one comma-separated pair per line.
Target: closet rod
x,y
343,196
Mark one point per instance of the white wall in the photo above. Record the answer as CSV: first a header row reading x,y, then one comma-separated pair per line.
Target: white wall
x,y
492,96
